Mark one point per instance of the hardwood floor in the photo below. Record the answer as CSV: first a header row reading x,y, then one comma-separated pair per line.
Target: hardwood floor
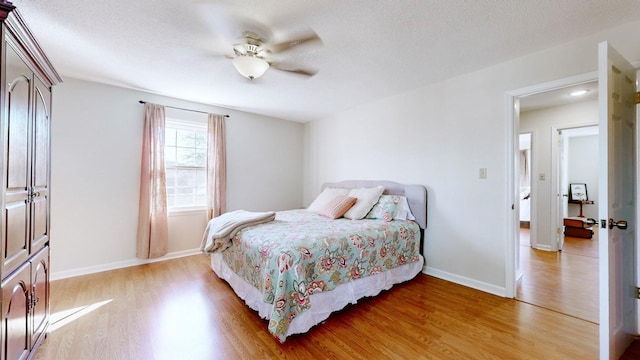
x,y
564,281
179,309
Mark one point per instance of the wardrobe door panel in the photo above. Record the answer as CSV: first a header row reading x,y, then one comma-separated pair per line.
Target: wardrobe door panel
x,y
40,295
18,134
40,167
39,221
15,314
40,176
17,152
17,164
15,247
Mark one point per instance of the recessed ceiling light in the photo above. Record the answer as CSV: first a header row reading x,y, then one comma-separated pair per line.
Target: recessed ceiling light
x,y
578,92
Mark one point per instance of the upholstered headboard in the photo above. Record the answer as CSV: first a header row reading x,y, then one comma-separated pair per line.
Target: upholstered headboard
x,y
416,194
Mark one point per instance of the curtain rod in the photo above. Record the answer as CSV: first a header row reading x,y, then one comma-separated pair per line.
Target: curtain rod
x,y
173,107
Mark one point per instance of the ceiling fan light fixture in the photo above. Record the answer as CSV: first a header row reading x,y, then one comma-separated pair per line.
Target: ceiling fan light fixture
x,y
251,67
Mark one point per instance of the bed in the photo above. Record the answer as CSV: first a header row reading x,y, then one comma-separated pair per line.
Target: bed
x,y
298,268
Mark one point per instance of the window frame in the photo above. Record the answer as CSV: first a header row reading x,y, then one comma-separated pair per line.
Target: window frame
x,y
190,125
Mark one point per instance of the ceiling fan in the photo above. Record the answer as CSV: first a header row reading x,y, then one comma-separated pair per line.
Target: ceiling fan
x,y
260,46
253,56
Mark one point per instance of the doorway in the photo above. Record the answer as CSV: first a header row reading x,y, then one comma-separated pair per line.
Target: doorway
x,y
566,279
538,114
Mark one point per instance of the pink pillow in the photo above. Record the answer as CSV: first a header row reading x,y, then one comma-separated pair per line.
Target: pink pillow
x,y
337,206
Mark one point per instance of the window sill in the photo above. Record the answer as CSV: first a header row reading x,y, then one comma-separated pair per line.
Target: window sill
x,y
186,211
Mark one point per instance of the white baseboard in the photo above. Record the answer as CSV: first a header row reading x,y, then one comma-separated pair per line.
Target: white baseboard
x,y
119,265
465,281
478,285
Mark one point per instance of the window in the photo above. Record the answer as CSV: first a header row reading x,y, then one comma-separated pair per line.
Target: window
x,y
185,161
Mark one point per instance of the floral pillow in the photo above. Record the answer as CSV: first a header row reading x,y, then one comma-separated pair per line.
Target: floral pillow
x,y
385,208
403,212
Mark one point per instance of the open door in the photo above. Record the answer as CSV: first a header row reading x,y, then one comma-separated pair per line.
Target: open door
x,y
563,177
559,179
617,208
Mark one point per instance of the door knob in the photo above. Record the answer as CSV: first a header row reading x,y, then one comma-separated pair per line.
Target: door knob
x,y
621,224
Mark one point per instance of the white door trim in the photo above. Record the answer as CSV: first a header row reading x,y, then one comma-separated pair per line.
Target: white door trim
x,y
512,205
556,213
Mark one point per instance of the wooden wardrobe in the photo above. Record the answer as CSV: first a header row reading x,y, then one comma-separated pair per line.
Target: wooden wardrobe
x,y
25,118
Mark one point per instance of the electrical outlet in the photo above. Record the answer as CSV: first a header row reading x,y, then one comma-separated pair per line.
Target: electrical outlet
x,y
483,173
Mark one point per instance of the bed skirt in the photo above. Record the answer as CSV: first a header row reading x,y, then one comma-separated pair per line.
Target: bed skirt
x,y
322,303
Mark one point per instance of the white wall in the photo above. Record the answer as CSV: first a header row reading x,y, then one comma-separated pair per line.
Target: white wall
x,y
439,136
95,175
583,168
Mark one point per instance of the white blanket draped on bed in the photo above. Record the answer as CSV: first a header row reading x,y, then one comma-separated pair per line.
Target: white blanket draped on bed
x,y
220,230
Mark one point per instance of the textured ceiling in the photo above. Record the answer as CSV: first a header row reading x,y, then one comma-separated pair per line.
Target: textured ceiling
x,y
371,49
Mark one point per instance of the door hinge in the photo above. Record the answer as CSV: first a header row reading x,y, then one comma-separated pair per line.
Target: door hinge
x,y
637,292
637,98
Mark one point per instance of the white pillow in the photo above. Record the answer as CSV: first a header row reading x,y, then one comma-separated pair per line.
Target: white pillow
x,y
327,195
402,210
367,197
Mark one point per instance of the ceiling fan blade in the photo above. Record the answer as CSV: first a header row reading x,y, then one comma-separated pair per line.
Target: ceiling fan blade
x,y
216,55
296,71
311,37
227,21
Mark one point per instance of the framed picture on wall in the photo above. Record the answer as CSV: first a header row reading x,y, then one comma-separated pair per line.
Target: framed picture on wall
x,y
578,192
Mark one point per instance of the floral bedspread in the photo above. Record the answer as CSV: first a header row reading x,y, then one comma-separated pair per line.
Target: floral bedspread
x,y
301,253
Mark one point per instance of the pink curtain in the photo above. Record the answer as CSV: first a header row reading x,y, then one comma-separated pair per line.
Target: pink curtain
x,y
152,218
216,167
